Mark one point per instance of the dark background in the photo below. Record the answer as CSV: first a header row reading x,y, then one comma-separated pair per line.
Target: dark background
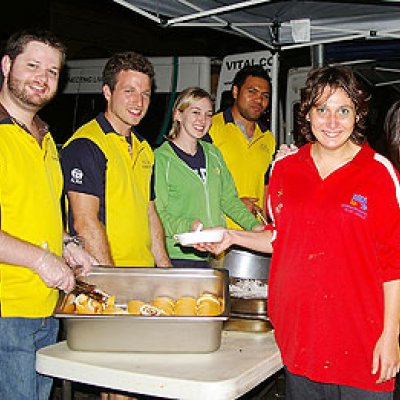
x,y
98,28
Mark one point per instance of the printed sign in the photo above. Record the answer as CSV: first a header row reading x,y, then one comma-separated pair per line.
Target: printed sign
x,y
233,63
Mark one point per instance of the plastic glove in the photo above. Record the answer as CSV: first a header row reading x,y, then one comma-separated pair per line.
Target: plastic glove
x,y
78,259
54,272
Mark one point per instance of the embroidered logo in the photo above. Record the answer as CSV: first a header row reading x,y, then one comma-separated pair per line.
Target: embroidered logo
x,y
265,147
217,170
146,164
77,176
358,205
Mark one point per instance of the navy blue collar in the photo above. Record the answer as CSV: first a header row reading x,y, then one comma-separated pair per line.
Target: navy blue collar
x,y
228,117
107,127
6,118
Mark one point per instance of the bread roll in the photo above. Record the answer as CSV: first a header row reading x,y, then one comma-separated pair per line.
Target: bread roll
x,y
110,302
185,306
81,304
209,308
165,304
95,306
69,304
208,304
134,306
207,297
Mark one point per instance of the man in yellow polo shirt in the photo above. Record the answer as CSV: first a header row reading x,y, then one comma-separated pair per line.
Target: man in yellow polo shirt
x,y
31,235
107,169
246,143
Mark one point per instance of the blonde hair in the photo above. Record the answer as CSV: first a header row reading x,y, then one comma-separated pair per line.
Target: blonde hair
x,y
183,101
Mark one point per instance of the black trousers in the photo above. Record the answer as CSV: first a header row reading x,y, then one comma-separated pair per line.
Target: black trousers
x,y
301,388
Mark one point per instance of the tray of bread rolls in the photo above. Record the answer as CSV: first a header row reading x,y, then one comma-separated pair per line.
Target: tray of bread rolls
x,y
163,310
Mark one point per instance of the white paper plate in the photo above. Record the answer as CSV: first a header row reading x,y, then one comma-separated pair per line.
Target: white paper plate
x,y
189,238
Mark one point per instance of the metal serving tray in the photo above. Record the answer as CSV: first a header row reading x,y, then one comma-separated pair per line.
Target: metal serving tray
x,y
161,334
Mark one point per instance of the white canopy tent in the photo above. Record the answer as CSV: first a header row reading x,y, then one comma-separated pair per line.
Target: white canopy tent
x,y
279,25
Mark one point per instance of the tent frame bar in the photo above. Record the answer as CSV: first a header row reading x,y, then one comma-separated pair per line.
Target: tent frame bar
x,y
237,26
215,11
138,10
226,24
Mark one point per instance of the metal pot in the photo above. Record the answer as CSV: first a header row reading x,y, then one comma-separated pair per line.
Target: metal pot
x,y
245,264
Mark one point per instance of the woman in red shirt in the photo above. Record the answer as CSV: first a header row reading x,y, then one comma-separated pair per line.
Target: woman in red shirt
x,y
334,283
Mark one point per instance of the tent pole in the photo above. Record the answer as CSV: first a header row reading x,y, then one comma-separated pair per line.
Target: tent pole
x,y
317,55
274,98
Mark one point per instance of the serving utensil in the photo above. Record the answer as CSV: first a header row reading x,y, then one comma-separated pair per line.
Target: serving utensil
x,y
261,216
90,290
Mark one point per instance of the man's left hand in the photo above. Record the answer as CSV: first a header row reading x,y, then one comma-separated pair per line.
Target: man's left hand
x,y
78,259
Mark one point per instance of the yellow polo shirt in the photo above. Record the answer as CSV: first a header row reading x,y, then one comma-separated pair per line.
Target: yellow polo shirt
x,y
30,193
127,191
247,161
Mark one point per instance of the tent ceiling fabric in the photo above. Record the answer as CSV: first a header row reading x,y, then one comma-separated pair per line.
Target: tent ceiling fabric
x,y
279,24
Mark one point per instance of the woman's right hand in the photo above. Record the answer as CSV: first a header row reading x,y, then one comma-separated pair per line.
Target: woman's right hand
x,y
216,247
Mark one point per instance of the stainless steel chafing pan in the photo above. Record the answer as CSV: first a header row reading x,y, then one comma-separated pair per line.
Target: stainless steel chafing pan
x,y
166,334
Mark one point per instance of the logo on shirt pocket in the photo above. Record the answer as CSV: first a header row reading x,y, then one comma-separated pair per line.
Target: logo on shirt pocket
x,y
265,147
358,205
146,164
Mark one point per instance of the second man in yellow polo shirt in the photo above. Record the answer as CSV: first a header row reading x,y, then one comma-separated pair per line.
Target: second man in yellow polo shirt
x,y
107,169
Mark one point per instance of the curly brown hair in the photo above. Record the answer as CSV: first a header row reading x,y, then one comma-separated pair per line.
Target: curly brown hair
x,y
126,61
338,77
392,133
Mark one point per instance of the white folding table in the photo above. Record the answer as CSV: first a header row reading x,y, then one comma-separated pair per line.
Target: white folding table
x,y
243,361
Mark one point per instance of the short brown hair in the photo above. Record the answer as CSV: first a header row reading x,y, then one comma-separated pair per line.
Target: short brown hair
x,y
17,42
126,61
338,77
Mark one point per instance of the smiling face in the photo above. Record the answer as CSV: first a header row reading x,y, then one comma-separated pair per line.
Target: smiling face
x,y
252,99
195,119
332,119
32,78
127,104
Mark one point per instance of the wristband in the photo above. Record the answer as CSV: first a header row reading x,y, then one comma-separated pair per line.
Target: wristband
x,y
77,240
